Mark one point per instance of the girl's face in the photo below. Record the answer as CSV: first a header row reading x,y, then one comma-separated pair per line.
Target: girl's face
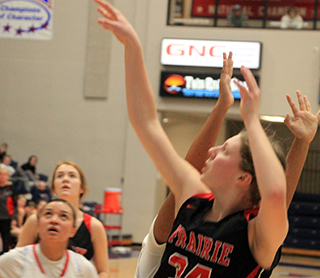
x,y
56,222
67,182
292,13
222,166
33,161
3,177
7,160
22,202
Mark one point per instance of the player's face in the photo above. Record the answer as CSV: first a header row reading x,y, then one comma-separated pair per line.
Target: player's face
x,y
56,222
67,182
222,167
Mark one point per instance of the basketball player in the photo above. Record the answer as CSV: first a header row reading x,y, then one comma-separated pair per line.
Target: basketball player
x,y
304,127
90,240
50,258
218,229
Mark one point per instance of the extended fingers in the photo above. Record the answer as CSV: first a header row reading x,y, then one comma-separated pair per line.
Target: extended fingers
x,y
227,63
230,63
224,56
249,78
287,121
307,102
302,104
105,13
241,87
224,68
293,106
107,9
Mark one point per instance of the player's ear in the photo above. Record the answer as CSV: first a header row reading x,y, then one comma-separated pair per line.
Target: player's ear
x,y
245,178
73,231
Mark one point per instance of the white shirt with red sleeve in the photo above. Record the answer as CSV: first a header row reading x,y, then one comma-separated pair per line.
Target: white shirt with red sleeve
x,y
30,262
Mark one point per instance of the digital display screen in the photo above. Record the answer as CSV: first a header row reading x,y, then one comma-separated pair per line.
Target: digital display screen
x,y
209,53
195,85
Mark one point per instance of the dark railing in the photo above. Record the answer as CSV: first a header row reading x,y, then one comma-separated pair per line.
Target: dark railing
x,y
261,13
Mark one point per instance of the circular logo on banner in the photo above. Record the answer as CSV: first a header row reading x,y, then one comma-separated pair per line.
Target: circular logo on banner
x,y
174,84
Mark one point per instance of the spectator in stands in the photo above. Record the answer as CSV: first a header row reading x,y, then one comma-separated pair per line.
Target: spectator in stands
x,y
30,168
6,161
40,191
7,209
23,211
41,204
21,208
20,181
30,209
15,232
237,18
291,20
3,150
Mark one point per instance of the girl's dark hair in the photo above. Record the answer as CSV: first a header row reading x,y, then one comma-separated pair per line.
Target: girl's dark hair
x,y
246,163
62,201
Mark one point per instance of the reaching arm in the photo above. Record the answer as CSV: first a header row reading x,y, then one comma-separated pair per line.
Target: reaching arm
x,y
207,137
178,174
29,232
100,246
304,127
198,152
268,230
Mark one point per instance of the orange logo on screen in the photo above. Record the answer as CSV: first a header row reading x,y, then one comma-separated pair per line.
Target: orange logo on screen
x,y
174,84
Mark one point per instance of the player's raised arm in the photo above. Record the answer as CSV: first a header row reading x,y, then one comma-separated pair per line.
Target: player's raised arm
x,y
198,152
268,230
304,127
143,116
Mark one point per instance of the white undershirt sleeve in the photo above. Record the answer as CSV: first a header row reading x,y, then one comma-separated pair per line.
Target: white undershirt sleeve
x,y
150,255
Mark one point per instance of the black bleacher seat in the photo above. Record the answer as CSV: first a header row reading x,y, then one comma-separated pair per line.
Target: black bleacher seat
x,y
304,222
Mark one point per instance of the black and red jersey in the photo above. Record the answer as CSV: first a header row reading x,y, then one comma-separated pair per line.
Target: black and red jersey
x,y
199,248
81,242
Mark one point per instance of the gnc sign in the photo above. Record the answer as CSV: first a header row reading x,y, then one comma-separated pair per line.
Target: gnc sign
x,y
207,53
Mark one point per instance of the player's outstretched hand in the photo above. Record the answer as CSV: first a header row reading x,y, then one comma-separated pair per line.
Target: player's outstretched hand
x,y
226,98
249,104
304,125
114,21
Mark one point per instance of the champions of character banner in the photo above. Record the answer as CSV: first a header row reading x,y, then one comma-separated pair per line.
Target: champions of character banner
x,y
26,19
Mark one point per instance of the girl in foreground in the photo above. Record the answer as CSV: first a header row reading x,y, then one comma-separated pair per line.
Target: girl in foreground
x,y
304,127
90,239
218,231
50,258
